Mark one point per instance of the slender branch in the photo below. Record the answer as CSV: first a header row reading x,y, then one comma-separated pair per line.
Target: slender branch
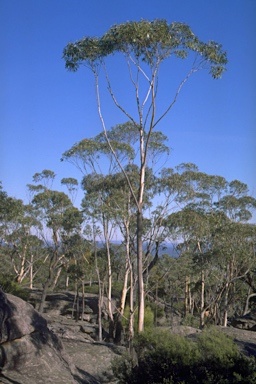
x,y
114,99
153,262
136,86
154,73
130,70
139,68
107,139
140,109
144,148
193,70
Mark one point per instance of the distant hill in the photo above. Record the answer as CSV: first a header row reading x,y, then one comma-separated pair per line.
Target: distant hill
x,y
165,248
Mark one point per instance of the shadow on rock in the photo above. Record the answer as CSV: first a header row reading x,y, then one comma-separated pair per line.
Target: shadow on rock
x,y
29,352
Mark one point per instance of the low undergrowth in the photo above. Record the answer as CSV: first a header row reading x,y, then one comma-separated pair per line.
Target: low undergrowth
x,y
164,358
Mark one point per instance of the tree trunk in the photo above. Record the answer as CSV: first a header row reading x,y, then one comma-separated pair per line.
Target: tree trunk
x,y
202,311
109,292
128,263
83,296
54,283
186,304
225,313
47,285
31,272
226,292
125,288
74,301
225,318
131,315
249,296
22,270
77,302
109,285
100,302
230,275
141,303
191,302
43,297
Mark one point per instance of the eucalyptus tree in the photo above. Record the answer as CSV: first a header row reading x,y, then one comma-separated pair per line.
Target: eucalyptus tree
x,y
237,240
24,246
72,186
99,205
212,227
108,197
237,204
144,45
78,253
18,228
234,251
59,218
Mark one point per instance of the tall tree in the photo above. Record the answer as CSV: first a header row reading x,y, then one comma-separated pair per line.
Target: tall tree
x,y
145,45
59,218
18,228
98,205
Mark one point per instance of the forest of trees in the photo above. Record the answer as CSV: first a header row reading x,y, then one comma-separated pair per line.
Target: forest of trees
x,y
51,244
131,197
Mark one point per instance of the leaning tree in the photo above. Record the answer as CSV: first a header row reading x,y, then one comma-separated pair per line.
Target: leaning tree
x,y
144,45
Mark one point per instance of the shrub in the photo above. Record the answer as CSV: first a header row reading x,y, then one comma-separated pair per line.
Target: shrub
x,y
148,319
94,288
221,362
191,321
162,359
10,286
217,346
165,358
157,310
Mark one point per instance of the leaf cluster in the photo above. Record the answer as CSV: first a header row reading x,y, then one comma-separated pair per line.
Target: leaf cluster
x,y
152,41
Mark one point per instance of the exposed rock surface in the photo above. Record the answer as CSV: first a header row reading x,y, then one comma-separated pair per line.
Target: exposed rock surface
x,y
54,348
246,340
31,353
247,322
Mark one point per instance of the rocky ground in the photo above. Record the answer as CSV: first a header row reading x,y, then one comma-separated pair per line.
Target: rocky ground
x,y
91,357
62,350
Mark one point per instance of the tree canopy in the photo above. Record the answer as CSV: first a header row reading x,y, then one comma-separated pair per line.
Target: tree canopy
x,y
153,41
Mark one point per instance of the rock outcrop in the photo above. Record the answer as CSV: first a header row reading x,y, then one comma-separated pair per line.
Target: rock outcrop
x,y
246,322
29,352
54,348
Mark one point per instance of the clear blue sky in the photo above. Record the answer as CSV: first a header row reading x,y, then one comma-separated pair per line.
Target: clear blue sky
x,y
45,109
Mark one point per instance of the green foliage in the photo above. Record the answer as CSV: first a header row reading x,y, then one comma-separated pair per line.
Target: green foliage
x,y
71,184
215,345
9,285
46,177
152,41
191,321
117,287
123,368
167,358
148,319
69,181
125,318
156,310
94,288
